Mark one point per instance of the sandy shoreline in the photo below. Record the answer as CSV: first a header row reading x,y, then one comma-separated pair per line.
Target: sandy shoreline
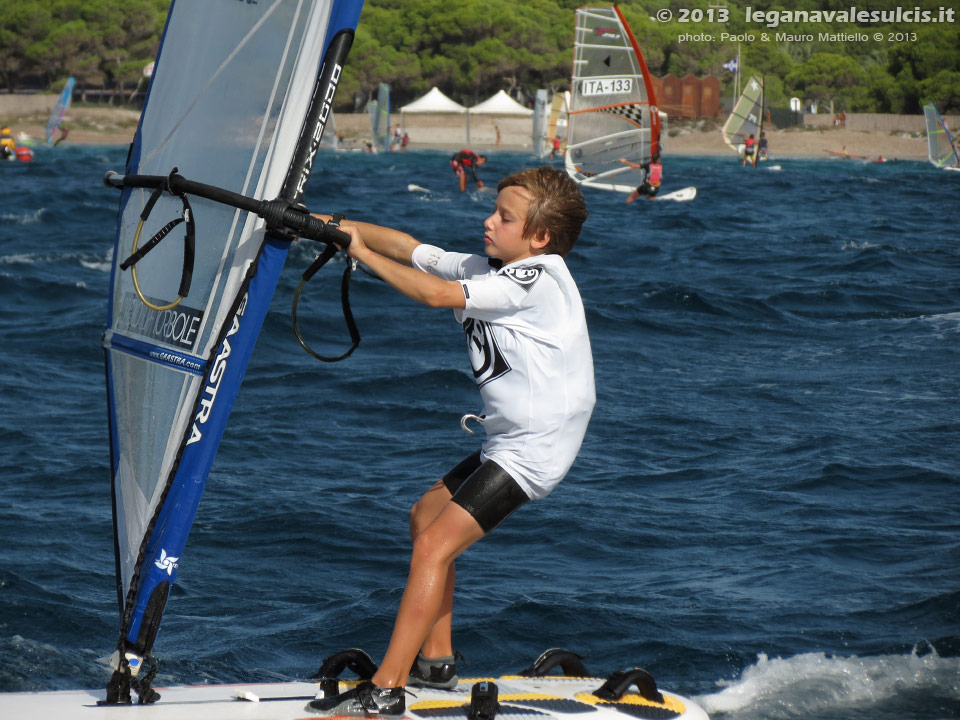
x,y
115,126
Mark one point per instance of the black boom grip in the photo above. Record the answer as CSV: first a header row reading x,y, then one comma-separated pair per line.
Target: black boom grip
x,y
311,228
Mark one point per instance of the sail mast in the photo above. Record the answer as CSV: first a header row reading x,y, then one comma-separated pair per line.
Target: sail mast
x,y
648,84
756,146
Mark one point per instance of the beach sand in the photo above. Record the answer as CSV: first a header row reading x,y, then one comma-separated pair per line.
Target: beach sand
x,y
116,126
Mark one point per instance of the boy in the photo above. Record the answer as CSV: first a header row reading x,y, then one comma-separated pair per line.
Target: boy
x,y
464,160
652,178
528,343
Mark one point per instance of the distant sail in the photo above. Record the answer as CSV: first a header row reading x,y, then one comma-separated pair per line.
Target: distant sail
x,y
941,150
379,111
612,112
243,110
59,110
557,122
746,117
540,145
330,141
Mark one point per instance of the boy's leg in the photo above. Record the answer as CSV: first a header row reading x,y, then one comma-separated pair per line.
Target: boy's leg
x,y
438,642
483,496
434,550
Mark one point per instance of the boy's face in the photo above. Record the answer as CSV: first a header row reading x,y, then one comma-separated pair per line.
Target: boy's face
x,y
504,238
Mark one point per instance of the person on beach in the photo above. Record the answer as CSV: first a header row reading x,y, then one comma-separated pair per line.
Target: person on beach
x,y
530,351
652,178
467,159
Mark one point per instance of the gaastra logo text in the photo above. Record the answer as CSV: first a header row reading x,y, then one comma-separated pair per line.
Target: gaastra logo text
x,y
217,372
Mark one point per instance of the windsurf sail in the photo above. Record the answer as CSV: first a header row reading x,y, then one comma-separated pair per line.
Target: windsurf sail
x,y
612,113
379,110
242,114
540,147
330,140
557,124
59,110
746,117
941,150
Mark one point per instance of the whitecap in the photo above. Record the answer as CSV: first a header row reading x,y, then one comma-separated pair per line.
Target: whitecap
x,y
814,684
24,218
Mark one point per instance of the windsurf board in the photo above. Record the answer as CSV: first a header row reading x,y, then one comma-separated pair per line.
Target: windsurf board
x,y
631,695
681,195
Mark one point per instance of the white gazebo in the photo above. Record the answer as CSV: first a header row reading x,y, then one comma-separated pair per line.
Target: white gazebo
x,y
437,104
433,102
500,104
494,110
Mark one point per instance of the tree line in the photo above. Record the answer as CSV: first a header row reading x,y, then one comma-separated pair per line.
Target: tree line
x,y
470,49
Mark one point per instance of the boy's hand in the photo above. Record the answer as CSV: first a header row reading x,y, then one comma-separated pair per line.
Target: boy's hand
x,y
356,247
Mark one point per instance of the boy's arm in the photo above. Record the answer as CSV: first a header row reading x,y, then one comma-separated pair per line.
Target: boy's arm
x,y
388,253
394,244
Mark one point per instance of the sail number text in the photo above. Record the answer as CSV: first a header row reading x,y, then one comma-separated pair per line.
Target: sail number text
x,y
606,86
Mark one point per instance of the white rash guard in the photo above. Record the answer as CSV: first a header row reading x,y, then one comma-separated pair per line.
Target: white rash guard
x,y
530,351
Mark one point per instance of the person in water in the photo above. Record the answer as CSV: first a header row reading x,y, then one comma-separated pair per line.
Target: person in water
x,y
527,338
748,147
7,145
464,160
652,177
762,147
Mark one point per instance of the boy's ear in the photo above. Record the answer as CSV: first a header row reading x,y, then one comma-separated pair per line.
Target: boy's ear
x,y
540,241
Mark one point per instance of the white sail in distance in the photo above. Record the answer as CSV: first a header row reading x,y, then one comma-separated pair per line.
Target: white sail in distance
x,y
941,150
612,112
379,111
746,117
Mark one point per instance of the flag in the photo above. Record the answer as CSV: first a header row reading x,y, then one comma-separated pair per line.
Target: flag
x,y
731,66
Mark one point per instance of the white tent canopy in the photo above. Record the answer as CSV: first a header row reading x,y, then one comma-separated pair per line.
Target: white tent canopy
x,y
433,102
500,104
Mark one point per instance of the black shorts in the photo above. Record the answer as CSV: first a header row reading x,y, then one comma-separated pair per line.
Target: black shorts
x,y
485,490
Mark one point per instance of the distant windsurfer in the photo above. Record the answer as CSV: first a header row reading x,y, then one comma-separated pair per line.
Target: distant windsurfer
x,y
748,148
530,351
7,145
64,131
652,178
467,159
556,146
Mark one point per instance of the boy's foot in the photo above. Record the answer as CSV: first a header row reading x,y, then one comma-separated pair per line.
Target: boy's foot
x,y
438,672
365,700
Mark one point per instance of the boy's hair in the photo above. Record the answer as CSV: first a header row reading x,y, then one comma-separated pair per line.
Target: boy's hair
x,y
556,206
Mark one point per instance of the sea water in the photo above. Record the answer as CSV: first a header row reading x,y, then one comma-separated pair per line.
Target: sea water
x,y
765,513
